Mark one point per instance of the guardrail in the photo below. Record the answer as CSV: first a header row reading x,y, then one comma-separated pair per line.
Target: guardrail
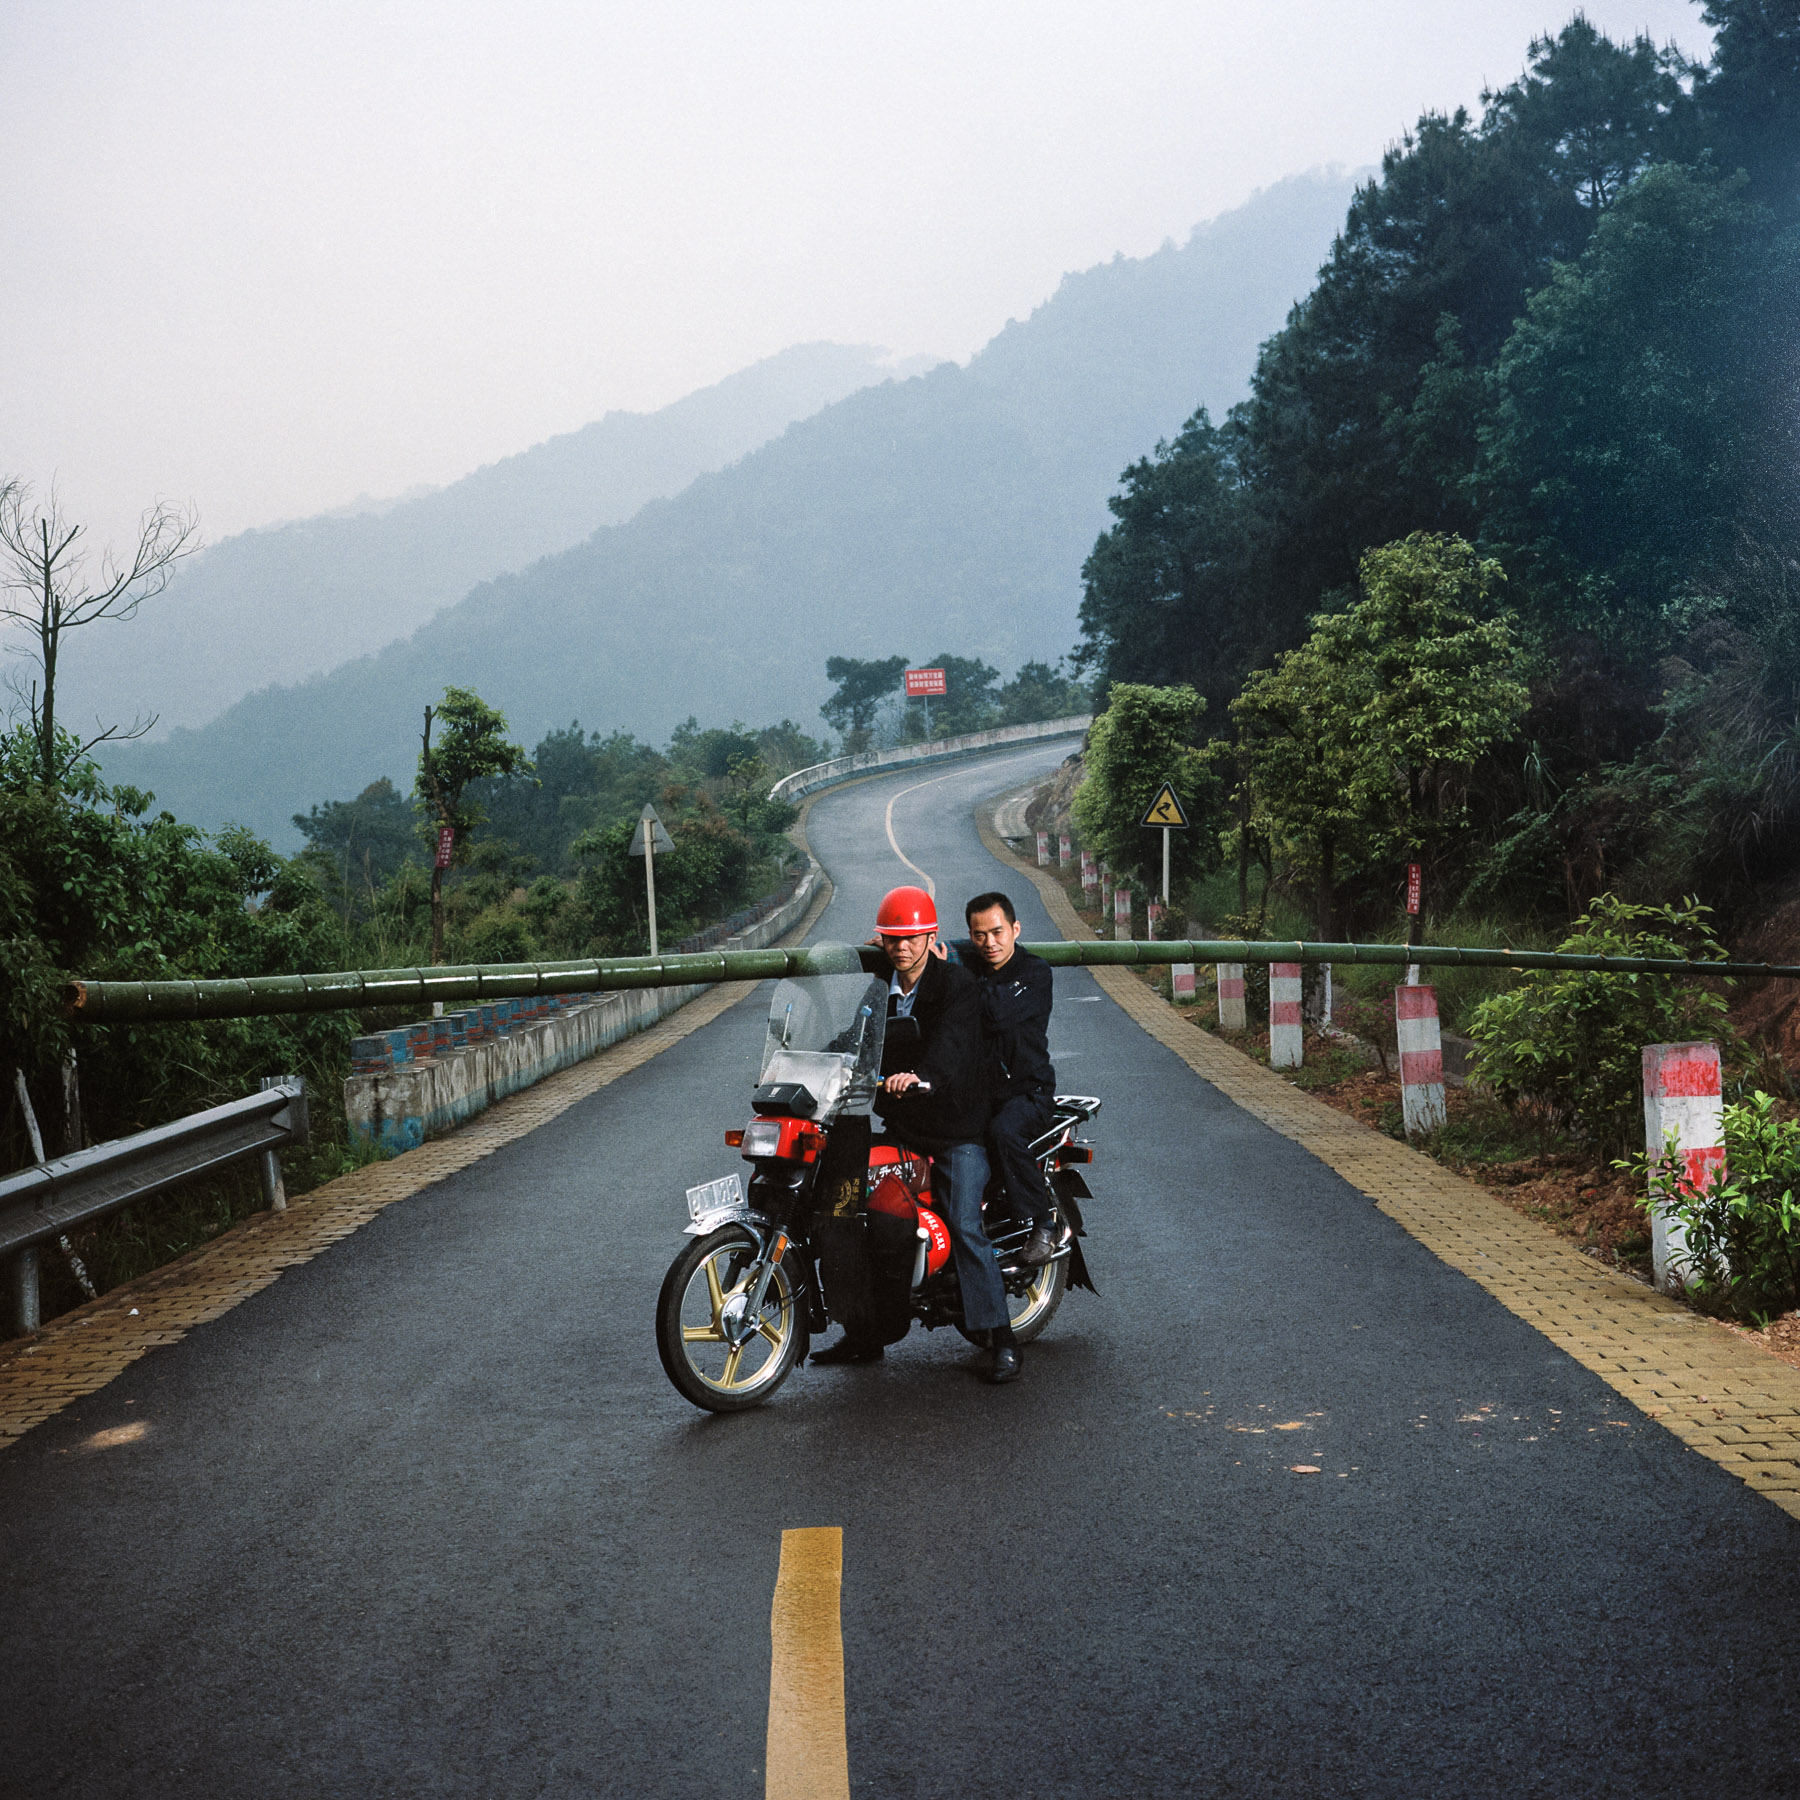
x,y
900,756
256,996
51,1198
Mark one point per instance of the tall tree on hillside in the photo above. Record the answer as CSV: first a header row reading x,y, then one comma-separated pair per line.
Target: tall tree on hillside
x,y
1160,591
47,590
861,688
471,744
1598,113
1645,409
1749,99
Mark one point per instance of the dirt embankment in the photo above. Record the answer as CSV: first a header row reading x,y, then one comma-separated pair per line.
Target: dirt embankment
x,y
1769,1011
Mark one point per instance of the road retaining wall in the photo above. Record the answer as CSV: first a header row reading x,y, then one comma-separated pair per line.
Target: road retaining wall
x,y
421,1079
870,762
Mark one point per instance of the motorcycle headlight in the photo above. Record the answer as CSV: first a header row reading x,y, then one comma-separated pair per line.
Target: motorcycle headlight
x,y
762,1137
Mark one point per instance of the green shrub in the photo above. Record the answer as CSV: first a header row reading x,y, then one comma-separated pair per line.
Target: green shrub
x,y
1743,1228
1571,1042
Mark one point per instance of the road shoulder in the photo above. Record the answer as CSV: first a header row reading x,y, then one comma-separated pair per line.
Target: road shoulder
x,y
1726,1399
81,1351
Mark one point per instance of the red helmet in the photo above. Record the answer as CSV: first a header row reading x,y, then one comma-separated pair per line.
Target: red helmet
x,y
906,912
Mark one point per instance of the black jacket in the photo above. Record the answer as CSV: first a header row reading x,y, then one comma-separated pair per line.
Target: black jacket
x,y
1015,1023
947,1053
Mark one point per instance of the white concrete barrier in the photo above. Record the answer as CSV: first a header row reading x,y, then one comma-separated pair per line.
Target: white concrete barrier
x,y
1682,1099
1064,850
1122,912
1043,848
1090,873
868,762
1230,977
1181,981
1284,1016
1421,1059
440,1084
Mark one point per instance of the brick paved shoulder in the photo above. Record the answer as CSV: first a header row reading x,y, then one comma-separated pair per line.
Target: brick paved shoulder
x,y
1721,1396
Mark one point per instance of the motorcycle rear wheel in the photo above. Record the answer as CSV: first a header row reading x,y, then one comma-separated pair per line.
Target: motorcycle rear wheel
x,y
702,1301
1033,1310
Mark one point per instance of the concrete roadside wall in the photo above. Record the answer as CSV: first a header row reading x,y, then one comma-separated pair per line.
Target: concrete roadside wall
x,y
867,762
422,1079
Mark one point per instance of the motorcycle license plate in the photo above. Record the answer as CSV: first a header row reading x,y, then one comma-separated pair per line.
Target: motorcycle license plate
x,y
714,1203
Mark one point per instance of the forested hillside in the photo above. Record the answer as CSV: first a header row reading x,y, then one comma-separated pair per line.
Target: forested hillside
x,y
951,511
298,599
1565,333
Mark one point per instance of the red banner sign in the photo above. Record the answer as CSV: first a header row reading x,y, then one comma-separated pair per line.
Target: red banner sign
x,y
925,681
1415,882
446,845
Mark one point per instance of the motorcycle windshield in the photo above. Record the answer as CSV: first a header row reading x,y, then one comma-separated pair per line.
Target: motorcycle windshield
x,y
825,1032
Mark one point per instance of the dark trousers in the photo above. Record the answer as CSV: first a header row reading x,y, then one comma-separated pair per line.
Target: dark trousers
x,y
1015,1123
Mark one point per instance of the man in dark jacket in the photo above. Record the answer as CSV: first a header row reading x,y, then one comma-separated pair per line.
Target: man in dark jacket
x,y
940,1051
1016,997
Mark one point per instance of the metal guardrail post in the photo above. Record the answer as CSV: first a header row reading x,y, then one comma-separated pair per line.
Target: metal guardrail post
x,y
41,1204
274,1189
26,1316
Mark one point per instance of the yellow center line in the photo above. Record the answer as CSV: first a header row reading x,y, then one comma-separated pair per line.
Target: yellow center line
x,y
808,1754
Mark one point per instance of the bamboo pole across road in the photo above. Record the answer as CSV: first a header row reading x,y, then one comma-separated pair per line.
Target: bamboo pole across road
x,y
256,996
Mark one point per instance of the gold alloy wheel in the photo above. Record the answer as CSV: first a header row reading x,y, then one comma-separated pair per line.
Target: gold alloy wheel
x,y
1031,1310
725,1349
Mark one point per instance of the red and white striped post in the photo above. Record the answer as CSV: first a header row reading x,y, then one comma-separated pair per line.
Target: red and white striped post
x,y
1122,912
1230,977
1682,1099
1153,914
1284,1015
1181,981
1064,850
1090,875
1043,838
1421,1059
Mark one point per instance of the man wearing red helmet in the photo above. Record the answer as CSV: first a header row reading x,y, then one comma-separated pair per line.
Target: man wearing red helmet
x,y
940,1052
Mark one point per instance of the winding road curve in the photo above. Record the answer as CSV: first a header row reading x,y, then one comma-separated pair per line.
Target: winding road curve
x,y
1290,1508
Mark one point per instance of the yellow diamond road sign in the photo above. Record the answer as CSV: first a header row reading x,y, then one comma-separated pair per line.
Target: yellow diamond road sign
x,y
1165,809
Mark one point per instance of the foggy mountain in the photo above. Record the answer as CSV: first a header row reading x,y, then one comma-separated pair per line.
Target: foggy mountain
x,y
295,599
951,512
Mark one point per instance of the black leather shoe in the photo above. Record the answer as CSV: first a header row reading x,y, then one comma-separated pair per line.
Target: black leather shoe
x,y
1039,1247
1004,1365
849,1350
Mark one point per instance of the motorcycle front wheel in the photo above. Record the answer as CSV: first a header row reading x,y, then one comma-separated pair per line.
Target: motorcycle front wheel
x,y
718,1356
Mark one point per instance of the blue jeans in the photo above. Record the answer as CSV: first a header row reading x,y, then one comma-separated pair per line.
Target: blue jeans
x,y
958,1177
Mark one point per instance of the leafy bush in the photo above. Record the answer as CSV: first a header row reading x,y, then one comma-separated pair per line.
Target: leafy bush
x,y
1743,1228
1571,1042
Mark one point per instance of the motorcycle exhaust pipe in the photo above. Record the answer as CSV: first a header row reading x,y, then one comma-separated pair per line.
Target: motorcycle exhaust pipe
x,y
919,1259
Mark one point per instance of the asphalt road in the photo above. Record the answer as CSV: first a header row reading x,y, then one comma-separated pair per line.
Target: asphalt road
x,y
424,1517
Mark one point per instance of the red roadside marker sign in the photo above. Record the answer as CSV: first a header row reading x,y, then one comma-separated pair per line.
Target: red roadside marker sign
x,y
925,681
446,845
1415,881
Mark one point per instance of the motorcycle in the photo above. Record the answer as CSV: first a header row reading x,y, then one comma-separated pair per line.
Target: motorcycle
x,y
838,1224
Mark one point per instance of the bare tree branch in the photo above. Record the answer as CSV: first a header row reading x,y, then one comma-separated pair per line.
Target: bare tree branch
x,y
45,588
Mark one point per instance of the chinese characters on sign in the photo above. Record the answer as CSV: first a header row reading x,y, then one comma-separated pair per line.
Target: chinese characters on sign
x,y
446,845
1415,880
924,681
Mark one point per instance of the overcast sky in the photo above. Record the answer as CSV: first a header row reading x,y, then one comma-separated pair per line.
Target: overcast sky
x,y
266,256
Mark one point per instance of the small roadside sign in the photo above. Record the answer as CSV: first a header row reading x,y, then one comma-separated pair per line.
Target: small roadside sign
x,y
1166,811
1415,882
446,846
925,681
658,834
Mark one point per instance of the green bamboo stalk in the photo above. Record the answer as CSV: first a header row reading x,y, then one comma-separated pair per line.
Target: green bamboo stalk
x,y
257,996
